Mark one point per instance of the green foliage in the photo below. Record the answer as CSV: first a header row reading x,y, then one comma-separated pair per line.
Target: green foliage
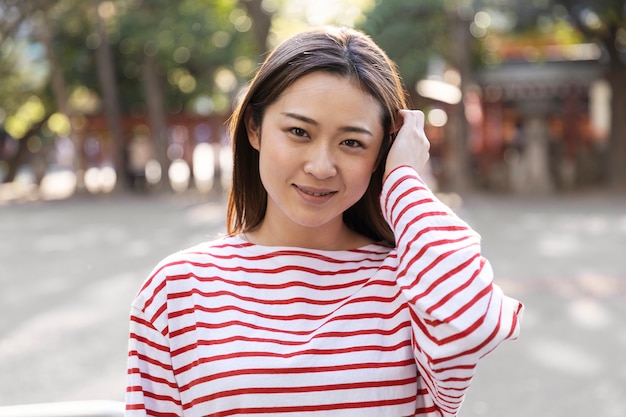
x,y
23,68
16,86
189,39
204,49
602,21
411,33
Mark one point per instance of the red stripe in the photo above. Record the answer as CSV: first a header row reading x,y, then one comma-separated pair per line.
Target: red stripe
x,y
423,231
460,288
148,377
158,271
297,371
396,184
286,301
405,270
286,253
411,206
290,284
442,279
435,391
470,351
281,269
156,292
301,389
318,407
268,354
290,317
480,295
135,407
274,341
148,342
141,321
161,398
158,313
147,359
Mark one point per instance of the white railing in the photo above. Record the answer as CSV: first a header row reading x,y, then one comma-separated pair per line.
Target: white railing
x,y
65,409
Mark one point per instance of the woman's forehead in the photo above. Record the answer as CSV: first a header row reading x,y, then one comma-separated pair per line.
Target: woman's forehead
x,y
322,92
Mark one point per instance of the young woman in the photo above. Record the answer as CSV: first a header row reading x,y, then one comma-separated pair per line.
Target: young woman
x,y
344,287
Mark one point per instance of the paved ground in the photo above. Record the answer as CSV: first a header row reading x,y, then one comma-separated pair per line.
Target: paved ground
x,y
68,270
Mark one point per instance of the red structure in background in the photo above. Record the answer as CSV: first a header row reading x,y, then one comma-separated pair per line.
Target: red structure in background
x,y
184,133
535,121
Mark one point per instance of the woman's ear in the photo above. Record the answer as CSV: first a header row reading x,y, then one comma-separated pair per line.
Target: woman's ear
x,y
252,129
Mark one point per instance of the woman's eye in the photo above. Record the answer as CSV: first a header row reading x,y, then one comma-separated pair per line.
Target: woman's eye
x,y
352,143
298,131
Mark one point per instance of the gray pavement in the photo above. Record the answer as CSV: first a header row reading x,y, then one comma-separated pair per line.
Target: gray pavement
x,y
69,269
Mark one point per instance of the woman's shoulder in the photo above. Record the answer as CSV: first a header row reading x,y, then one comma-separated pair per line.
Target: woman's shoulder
x,y
186,262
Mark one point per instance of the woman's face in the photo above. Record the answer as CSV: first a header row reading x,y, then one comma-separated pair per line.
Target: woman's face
x,y
318,146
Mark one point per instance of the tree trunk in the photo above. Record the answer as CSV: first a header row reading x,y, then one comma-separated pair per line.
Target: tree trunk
x,y
262,21
157,119
617,144
617,79
22,154
59,90
458,160
110,97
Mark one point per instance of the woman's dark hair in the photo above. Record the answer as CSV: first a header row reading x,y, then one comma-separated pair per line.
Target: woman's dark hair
x,y
340,51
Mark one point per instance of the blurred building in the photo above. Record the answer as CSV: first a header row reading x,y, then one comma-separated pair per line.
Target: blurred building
x,y
539,120
192,150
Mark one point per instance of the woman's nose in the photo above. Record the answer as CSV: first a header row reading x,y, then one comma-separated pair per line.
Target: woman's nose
x,y
320,163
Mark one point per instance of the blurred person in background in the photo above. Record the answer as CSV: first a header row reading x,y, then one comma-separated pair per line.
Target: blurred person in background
x,y
344,286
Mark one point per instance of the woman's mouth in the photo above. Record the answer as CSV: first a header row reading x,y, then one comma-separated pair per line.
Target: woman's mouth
x,y
315,194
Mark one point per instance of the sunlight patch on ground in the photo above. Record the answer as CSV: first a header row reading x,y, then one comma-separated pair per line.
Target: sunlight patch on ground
x,y
600,285
589,314
559,245
209,213
565,357
582,285
35,335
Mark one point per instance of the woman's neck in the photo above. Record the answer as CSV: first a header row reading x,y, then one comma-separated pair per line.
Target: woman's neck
x,y
338,237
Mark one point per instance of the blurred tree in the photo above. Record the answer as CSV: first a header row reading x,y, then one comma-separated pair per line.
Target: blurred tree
x,y
261,17
23,112
104,11
158,57
417,35
412,34
189,56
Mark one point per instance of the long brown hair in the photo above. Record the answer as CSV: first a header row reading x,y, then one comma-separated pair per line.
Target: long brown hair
x,y
340,51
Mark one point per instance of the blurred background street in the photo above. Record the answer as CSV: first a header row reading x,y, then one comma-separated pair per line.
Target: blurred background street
x,y
69,269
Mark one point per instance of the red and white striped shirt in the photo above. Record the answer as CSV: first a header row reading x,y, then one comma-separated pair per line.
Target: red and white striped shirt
x,y
230,328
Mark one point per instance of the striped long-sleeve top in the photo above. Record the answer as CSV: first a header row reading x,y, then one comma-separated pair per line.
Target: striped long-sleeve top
x,y
231,328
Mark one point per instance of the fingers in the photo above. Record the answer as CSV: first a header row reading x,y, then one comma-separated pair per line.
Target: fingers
x,y
413,118
411,147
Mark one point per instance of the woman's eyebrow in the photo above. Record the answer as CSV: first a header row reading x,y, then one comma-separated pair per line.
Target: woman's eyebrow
x,y
308,120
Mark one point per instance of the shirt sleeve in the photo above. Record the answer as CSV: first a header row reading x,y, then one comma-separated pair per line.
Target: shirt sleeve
x,y
458,314
151,388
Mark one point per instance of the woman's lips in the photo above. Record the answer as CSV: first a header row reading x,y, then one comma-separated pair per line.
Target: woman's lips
x,y
315,195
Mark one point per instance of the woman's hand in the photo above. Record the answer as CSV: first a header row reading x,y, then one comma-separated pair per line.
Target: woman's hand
x,y
410,146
